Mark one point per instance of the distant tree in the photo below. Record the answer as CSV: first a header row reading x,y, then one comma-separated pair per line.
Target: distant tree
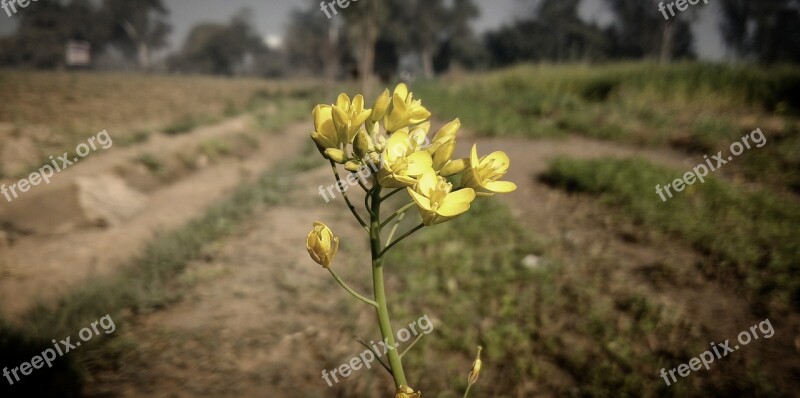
x,y
768,31
219,48
362,23
434,30
736,15
641,31
552,31
312,42
44,30
136,27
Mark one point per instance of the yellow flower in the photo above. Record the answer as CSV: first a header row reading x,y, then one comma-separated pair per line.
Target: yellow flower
x,y
381,106
349,116
402,163
405,110
447,133
406,392
325,135
435,200
322,245
483,173
442,148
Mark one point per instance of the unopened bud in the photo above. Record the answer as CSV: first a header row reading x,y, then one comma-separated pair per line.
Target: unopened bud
x,y
361,144
337,155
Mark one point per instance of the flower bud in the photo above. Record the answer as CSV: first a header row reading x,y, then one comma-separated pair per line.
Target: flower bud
x,y
448,131
381,106
406,392
361,144
443,154
322,245
337,155
454,167
352,166
476,368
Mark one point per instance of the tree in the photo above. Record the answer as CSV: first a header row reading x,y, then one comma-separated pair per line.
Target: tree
x,y
552,31
219,48
136,27
362,21
641,32
736,14
44,31
312,42
768,31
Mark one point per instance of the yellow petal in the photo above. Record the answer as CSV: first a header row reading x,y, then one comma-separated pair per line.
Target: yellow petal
x,y
419,162
500,158
381,106
473,156
358,103
401,90
427,182
466,195
418,115
421,201
501,186
343,101
452,209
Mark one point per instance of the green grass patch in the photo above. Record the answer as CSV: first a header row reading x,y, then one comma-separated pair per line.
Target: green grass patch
x,y
547,328
691,106
750,236
151,163
136,137
187,123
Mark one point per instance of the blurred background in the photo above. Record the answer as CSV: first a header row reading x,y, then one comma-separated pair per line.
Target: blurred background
x,y
189,230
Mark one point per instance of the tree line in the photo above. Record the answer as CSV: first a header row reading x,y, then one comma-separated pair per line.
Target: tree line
x,y
383,37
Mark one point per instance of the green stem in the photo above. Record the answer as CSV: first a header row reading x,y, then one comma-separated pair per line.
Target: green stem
x,y
351,291
389,195
377,356
466,393
394,227
361,183
405,235
346,199
397,213
411,345
380,294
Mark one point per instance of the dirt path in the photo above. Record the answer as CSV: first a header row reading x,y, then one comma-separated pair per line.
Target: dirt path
x,y
41,268
259,318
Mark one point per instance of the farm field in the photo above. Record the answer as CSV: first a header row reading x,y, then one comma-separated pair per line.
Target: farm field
x,y
588,284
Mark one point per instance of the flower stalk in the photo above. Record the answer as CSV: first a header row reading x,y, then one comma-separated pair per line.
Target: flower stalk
x,y
382,308
348,134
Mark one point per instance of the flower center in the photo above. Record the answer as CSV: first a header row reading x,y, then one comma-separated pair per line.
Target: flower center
x,y
440,192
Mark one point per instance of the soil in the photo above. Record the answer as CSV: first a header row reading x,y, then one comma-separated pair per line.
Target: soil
x,y
258,318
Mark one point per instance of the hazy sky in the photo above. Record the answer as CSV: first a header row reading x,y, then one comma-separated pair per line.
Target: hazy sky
x,y
270,17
